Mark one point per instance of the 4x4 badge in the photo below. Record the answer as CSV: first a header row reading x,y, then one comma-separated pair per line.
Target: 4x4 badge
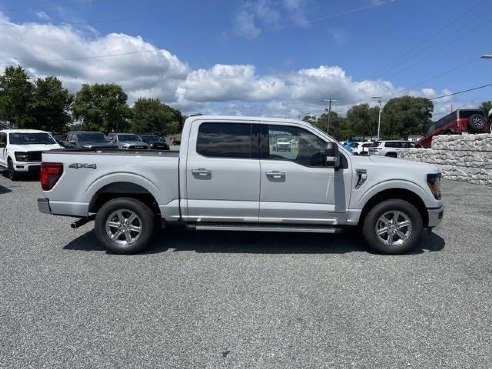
x,y
82,165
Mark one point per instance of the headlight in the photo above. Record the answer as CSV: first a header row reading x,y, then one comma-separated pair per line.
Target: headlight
x,y
434,183
21,156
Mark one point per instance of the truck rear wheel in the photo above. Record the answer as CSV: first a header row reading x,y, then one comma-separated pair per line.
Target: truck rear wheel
x,y
124,225
393,227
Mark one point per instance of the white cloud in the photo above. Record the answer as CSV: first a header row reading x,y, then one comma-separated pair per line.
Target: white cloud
x,y
67,53
256,16
145,71
43,16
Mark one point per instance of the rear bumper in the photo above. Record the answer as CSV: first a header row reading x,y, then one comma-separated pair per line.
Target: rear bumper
x,y
44,205
435,216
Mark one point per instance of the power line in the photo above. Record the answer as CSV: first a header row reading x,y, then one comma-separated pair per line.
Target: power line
x,y
399,69
341,14
468,62
463,91
416,50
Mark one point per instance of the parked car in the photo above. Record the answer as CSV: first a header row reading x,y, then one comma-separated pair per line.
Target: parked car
x,y
128,141
155,142
361,148
87,140
282,144
457,122
227,177
389,148
20,150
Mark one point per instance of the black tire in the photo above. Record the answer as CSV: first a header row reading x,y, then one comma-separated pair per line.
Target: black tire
x,y
13,175
392,155
476,123
404,212
115,217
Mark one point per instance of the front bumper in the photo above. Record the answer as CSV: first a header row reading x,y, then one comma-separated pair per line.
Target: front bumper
x,y
33,167
44,205
435,216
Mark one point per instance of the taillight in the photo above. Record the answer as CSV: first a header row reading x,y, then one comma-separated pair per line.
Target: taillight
x,y
50,174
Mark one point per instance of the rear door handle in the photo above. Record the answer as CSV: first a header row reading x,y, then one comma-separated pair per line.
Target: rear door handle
x,y
275,175
201,173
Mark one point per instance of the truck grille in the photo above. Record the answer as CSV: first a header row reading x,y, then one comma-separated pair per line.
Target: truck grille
x,y
34,156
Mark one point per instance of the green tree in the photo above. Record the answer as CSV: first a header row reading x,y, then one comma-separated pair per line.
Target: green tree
x,y
404,116
153,116
363,120
102,107
485,107
16,93
50,104
339,128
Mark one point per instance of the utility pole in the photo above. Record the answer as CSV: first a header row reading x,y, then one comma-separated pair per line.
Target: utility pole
x,y
330,100
379,115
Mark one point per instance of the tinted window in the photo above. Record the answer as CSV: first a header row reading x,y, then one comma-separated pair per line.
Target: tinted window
x,y
443,121
225,140
91,137
469,113
295,144
3,138
128,137
151,138
393,144
31,138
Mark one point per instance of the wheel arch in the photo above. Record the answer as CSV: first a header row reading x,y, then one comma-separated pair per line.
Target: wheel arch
x,y
123,189
396,193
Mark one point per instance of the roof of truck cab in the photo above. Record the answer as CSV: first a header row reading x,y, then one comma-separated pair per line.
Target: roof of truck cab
x,y
245,118
20,130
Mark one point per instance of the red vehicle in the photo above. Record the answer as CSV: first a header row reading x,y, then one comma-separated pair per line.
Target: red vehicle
x,y
457,122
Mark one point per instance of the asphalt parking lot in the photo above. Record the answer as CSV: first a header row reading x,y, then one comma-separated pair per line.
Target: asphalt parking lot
x,y
244,300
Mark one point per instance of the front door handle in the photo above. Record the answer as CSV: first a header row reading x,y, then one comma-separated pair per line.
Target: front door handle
x,y
201,173
276,175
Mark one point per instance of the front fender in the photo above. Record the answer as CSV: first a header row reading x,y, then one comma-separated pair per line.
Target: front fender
x,y
423,193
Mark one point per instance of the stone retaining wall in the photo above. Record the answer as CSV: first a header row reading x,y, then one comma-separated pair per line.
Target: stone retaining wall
x,y
466,158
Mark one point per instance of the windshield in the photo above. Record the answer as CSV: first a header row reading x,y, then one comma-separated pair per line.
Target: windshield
x,y
91,137
128,137
38,138
151,138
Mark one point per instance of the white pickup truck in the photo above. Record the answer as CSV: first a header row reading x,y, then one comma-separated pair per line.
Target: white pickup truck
x,y
227,176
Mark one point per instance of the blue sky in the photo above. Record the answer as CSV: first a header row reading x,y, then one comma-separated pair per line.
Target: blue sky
x,y
267,57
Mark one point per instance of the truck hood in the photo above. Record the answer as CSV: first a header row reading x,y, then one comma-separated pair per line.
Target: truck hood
x,y
394,164
34,147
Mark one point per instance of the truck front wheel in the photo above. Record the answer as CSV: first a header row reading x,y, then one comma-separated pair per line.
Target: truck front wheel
x,y
124,225
392,227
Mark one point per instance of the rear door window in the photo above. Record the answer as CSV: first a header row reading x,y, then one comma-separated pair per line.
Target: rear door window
x,y
225,140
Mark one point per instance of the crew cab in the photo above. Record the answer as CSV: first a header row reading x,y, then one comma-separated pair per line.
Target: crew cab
x,y
20,150
227,176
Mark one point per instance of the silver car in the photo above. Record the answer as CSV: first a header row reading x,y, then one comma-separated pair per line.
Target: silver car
x,y
128,141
